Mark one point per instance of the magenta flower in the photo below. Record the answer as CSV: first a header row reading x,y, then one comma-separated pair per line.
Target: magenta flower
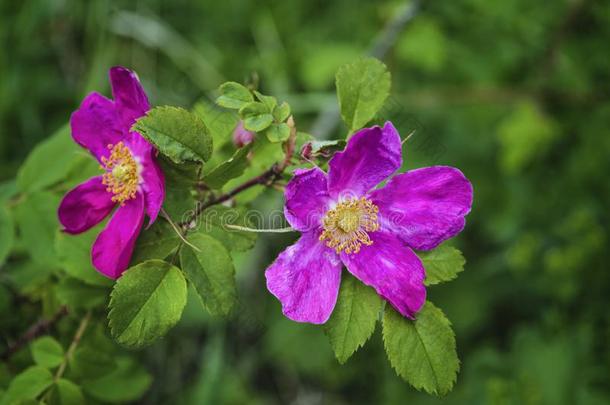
x,y
345,221
131,181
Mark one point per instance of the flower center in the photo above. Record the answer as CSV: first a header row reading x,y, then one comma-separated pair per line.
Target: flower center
x,y
346,226
122,173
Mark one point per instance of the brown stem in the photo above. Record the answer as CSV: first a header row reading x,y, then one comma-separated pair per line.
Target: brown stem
x,y
267,178
41,327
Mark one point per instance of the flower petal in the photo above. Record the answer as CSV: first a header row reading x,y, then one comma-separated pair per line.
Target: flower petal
x,y
113,247
392,269
371,155
307,199
305,278
96,124
153,186
85,206
425,206
129,96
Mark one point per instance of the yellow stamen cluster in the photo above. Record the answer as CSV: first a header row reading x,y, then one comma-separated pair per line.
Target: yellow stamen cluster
x,y
346,226
122,173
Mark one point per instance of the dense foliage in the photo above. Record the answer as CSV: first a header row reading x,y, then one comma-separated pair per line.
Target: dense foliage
x,y
514,93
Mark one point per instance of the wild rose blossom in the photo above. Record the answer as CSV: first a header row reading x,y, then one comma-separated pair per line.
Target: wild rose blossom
x,y
131,181
344,220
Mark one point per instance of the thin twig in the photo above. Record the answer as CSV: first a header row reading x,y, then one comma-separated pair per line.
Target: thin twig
x,y
267,178
178,231
255,230
40,328
75,341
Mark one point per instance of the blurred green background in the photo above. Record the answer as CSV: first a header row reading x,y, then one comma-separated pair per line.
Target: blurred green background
x,y
515,93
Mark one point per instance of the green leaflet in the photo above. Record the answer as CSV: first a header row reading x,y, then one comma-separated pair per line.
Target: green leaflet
x,y
362,88
76,294
423,351
157,242
442,264
177,133
47,352
257,116
353,320
233,95
212,273
44,167
128,382
6,233
65,392
278,132
230,169
146,301
37,221
74,254
27,385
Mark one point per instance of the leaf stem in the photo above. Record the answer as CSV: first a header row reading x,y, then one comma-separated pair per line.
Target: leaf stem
x,y
255,230
75,341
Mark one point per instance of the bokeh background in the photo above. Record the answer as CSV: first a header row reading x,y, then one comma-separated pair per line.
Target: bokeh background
x,y
516,93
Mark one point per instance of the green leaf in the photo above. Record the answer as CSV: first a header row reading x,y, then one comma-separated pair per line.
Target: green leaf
x,y
423,351
257,116
128,382
76,294
47,352
327,148
90,363
278,132
74,254
179,183
233,95
269,101
157,242
353,320
212,273
146,302
230,169
44,167
68,393
362,88
281,112
213,222
442,264
37,221
27,385
6,233
177,133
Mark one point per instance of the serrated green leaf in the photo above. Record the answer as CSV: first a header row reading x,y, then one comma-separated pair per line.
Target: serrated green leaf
x,y
177,133
27,385
128,382
213,222
74,254
353,320
230,169
278,132
212,273
327,148
67,393
6,233
442,264
256,116
423,351
157,242
233,95
47,352
362,88
281,112
146,301
269,101
37,220
179,183
43,168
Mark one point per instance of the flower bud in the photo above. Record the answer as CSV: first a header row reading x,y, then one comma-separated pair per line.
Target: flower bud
x,y
241,136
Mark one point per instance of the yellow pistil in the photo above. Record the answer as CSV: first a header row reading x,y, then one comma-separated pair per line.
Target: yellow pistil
x,y
346,226
121,176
